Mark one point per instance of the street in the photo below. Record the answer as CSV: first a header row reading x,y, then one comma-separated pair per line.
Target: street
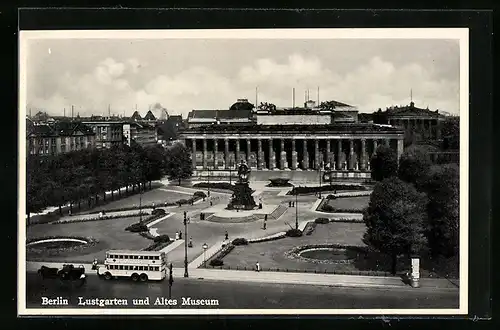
x,y
234,295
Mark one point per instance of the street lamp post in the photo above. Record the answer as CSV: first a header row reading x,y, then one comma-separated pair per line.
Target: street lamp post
x,y
208,178
319,170
205,247
296,208
186,274
140,204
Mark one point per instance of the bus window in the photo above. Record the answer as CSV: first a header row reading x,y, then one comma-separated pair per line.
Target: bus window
x,y
157,268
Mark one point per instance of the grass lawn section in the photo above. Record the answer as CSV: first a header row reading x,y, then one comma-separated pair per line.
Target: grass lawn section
x,y
110,233
271,255
156,196
351,203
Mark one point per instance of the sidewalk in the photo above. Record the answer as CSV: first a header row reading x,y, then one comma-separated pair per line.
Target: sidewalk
x,y
284,277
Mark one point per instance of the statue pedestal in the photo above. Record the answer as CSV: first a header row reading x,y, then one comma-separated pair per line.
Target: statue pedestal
x,y
272,161
242,198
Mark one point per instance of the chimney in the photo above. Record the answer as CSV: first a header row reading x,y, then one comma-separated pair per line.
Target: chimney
x,y
293,97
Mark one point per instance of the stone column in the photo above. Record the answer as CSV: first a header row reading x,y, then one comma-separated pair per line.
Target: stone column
x,y
305,159
271,155
294,155
316,154
226,152
363,155
339,155
429,122
375,145
248,151
282,154
260,159
328,153
438,130
204,153
400,148
193,153
216,163
351,154
237,156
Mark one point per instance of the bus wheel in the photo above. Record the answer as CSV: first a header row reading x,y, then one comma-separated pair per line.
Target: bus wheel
x,y
135,277
144,277
107,276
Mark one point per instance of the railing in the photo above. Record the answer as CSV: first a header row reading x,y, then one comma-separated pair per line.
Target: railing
x,y
325,271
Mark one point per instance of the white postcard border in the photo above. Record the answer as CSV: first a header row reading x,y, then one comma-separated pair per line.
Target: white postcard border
x,y
461,34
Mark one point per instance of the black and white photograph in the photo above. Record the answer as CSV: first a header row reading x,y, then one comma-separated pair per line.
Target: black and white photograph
x,y
252,171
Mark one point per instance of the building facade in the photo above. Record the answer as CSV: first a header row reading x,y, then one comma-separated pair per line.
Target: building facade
x,y
107,132
418,124
58,138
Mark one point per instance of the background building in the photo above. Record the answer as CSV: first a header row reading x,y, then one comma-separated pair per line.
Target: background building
x,y
59,137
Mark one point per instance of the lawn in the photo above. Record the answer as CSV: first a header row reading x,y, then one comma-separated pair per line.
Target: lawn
x,y
349,203
271,255
110,233
157,196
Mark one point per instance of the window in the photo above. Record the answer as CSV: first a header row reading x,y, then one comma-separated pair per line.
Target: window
x,y
121,267
157,268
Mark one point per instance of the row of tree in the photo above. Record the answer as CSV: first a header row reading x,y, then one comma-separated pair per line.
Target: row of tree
x,y
414,205
74,177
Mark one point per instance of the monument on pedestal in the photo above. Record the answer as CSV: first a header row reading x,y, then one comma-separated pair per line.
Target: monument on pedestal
x,y
242,198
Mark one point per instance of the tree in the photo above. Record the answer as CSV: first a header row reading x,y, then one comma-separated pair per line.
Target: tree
x,y
34,177
395,219
178,163
442,189
384,163
414,166
155,159
450,132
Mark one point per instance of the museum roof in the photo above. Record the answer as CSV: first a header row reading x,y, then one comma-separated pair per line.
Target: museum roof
x,y
412,111
354,127
220,114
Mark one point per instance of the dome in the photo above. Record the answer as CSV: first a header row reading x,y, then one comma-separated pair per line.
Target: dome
x,y
242,104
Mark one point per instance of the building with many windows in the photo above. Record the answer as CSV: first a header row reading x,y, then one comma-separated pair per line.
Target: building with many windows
x,y
107,132
59,137
297,142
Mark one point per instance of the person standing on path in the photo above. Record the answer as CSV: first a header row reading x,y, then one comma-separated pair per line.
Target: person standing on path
x,y
227,235
257,267
265,224
176,235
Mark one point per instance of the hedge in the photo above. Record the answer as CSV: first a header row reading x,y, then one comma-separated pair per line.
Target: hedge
x,y
137,228
216,262
329,208
239,241
161,239
157,246
200,194
294,233
215,185
104,217
308,190
159,212
322,220
279,182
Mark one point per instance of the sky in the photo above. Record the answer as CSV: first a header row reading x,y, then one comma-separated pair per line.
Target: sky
x,y
186,74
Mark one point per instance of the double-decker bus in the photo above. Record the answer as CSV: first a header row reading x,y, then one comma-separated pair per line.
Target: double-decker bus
x,y
136,265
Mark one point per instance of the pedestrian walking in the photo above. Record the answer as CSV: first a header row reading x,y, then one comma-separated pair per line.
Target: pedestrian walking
x,y
211,204
227,235
289,204
265,225
293,204
265,217
257,267
180,234
176,235
153,206
190,242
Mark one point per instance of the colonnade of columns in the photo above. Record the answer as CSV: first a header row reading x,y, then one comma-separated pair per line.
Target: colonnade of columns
x,y
341,154
429,128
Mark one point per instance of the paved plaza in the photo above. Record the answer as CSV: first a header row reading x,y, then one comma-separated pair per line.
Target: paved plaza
x,y
271,254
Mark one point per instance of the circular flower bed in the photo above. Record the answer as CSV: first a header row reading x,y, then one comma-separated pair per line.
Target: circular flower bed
x,y
54,245
324,254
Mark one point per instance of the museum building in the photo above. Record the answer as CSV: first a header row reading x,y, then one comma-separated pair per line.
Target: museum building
x,y
294,141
